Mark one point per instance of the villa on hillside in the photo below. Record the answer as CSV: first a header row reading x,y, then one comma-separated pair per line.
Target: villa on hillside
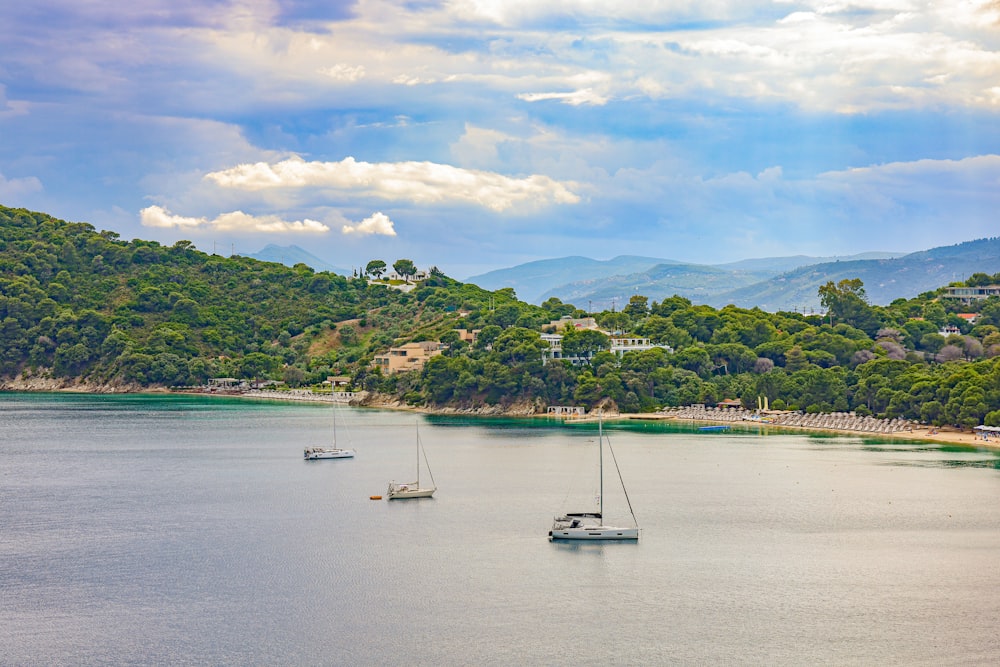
x,y
970,294
408,357
574,322
619,346
468,336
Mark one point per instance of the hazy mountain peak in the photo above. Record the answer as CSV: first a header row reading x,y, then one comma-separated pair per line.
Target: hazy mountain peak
x,y
290,255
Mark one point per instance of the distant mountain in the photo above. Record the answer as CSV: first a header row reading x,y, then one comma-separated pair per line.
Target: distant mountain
x,y
530,281
885,279
290,255
781,264
697,282
597,285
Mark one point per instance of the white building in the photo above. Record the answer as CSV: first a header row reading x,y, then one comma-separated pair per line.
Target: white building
x,y
619,346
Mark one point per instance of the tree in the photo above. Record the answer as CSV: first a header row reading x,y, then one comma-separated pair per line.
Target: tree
x,y
376,268
584,343
405,268
637,307
846,302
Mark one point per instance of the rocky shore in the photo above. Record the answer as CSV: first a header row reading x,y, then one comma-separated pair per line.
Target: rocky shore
x,y
38,383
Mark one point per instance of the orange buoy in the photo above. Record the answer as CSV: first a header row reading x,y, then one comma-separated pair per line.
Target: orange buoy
x,y
375,497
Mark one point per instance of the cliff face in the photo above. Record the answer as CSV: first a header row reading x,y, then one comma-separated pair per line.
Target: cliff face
x,y
516,409
43,382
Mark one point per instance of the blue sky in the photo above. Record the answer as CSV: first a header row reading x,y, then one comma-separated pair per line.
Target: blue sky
x,y
479,134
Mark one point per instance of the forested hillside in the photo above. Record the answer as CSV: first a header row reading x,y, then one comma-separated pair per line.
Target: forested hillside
x,y
77,303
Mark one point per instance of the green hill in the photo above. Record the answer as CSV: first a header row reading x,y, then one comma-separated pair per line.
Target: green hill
x,y
75,302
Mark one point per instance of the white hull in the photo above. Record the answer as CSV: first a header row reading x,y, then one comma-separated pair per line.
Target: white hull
x,y
594,533
317,453
403,491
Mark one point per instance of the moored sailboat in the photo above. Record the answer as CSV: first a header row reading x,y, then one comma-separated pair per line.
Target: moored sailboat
x,y
335,452
590,525
404,490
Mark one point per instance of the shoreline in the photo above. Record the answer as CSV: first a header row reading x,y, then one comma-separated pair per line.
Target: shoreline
x,y
945,435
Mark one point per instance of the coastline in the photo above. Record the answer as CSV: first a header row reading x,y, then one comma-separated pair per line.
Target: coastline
x,y
946,435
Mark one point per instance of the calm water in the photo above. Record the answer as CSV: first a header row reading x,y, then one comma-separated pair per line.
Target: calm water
x,y
175,530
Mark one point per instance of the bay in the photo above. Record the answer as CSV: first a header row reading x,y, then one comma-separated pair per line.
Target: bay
x,y
164,529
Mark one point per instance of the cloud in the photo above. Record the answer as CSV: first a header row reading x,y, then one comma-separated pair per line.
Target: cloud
x,y
344,72
235,221
417,182
576,98
378,223
16,187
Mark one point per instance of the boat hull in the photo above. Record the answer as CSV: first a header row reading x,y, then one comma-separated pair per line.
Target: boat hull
x,y
594,533
320,454
404,492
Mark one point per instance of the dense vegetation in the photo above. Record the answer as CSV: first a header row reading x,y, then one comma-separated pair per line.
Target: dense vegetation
x,y
75,303
78,303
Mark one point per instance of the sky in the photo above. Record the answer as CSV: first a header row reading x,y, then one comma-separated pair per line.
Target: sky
x,y
480,134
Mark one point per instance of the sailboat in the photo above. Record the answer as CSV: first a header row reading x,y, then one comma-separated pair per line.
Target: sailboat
x,y
403,490
318,453
590,525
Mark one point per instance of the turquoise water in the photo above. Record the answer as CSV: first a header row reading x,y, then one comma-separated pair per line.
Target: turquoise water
x,y
188,530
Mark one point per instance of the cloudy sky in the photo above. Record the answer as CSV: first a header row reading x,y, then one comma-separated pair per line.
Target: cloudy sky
x,y
479,134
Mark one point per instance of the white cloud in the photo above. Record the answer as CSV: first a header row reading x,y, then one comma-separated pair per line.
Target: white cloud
x,y
417,182
378,223
15,187
235,221
344,72
979,166
576,98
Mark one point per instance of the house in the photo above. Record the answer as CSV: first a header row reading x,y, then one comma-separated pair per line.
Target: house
x,y
970,294
338,380
468,336
409,357
969,317
619,346
567,321
415,278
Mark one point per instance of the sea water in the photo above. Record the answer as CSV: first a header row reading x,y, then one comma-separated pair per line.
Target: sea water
x,y
189,530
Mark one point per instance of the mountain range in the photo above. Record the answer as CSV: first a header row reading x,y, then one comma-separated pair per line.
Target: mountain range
x,y
290,255
772,284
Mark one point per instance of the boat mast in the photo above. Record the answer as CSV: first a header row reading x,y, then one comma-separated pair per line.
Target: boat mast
x,y
417,427
600,457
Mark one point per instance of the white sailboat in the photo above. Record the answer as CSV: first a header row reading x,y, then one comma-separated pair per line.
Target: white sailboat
x,y
319,453
404,490
590,525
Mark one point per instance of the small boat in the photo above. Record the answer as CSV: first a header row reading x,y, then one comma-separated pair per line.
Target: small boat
x,y
719,427
319,453
590,525
404,490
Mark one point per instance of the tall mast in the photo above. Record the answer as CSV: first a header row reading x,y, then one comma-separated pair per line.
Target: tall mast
x,y
600,449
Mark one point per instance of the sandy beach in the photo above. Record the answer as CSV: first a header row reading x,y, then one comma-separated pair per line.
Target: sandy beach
x,y
943,434
913,432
